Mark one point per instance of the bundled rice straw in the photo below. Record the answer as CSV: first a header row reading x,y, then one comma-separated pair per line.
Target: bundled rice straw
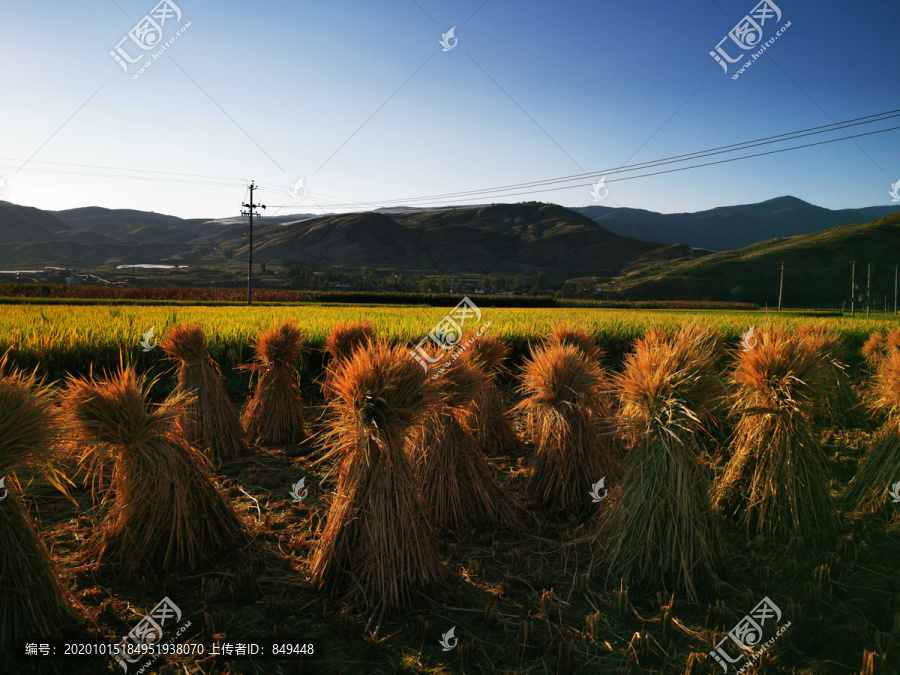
x,y
33,601
880,344
209,421
274,413
880,470
495,433
570,420
377,539
660,528
457,484
577,337
842,404
343,339
775,482
166,511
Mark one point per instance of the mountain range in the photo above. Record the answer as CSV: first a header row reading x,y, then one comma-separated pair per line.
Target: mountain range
x,y
641,248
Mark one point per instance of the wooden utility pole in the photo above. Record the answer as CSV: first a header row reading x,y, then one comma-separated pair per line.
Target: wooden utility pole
x,y
250,213
869,290
852,287
895,290
780,285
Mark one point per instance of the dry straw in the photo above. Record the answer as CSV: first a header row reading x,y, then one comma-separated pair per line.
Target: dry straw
x,y
880,470
576,337
33,601
570,420
660,529
377,543
495,432
209,420
457,484
274,413
164,509
343,339
842,405
776,482
880,344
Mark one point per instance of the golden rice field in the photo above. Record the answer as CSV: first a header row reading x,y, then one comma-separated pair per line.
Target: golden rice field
x,y
63,337
704,450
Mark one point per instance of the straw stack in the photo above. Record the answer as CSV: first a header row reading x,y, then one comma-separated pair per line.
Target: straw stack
x,y
377,544
570,419
33,601
209,421
879,473
457,484
776,481
164,509
274,413
660,530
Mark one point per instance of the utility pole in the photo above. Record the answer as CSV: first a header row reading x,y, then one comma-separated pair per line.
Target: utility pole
x,y
869,290
852,287
780,285
250,213
895,290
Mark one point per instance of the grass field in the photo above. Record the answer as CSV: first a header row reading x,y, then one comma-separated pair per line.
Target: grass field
x,y
61,338
520,602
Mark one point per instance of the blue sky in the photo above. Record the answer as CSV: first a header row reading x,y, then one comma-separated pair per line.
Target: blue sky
x,y
532,90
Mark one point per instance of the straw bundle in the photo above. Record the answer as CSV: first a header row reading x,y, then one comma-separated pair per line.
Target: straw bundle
x,y
776,479
343,339
457,484
660,528
166,511
576,337
842,403
274,413
494,430
377,539
880,470
33,601
880,344
209,421
570,420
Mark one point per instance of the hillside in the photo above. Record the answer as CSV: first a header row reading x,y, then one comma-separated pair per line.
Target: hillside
x,y
502,239
730,227
817,269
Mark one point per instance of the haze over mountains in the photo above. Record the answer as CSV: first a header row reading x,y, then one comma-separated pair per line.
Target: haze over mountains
x,y
504,239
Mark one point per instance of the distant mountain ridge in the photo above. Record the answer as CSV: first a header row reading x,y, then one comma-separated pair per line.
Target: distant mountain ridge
x,y
730,227
506,239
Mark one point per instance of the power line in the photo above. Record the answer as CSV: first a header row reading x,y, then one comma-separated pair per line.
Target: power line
x,y
546,185
469,197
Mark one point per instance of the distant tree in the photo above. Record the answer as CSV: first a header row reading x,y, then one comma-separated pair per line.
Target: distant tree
x,y
540,281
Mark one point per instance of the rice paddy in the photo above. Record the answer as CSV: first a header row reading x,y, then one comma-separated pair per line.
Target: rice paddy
x,y
470,502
